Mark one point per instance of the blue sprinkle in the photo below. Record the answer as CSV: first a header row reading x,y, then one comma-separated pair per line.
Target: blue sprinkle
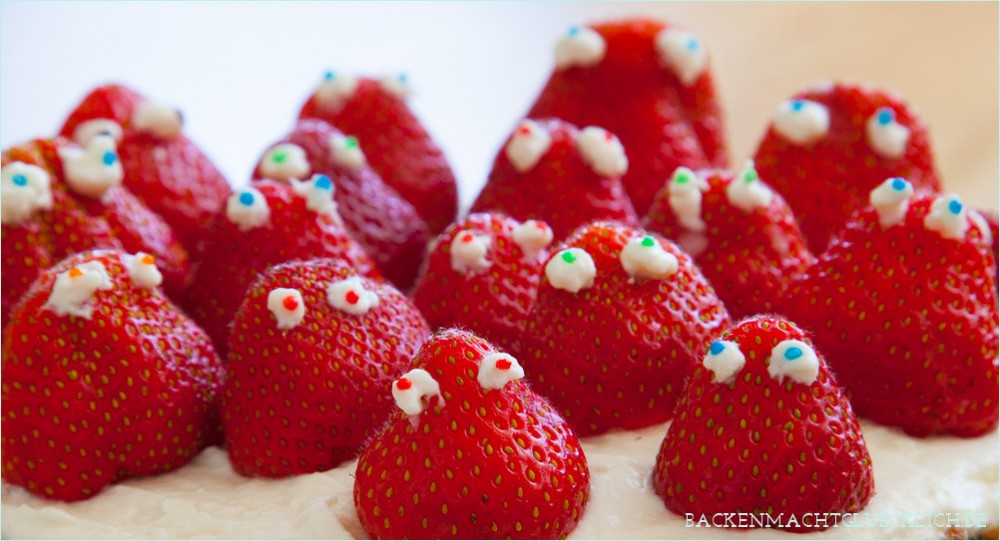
x,y
20,180
692,45
716,347
898,184
955,206
109,158
323,182
246,198
797,105
329,75
403,77
573,31
885,116
793,353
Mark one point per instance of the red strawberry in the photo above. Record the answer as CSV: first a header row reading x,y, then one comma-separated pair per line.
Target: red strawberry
x,y
551,170
903,305
385,224
620,320
59,199
482,275
993,222
167,171
762,428
308,336
472,452
103,379
649,83
741,234
841,141
263,224
398,147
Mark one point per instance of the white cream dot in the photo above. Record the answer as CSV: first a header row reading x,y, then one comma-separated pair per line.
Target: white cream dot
x,y
351,296
644,257
346,152
527,145
24,190
285,161
891,200
498,369
794,359
93,170
725,360
318,193
802,121
398,85
580,46
603,151
161,121
86,131
142,270
287,306
248,209
682,52
746,192
571,270
532,236
468,252
886,136
684,197
73,292
948,216
335,90
412,391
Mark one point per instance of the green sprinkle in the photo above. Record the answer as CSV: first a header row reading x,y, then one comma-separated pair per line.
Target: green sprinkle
x,y
568,256
279,157
351,142
648,242
682,178
750,175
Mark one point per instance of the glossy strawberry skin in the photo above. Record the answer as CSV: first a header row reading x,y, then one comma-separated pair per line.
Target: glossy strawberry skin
x,y
993,221
493,303
759,445
662,123
749,257
230,260
908,321
561,189
841,165
284,409
615,355
398,148
383,223
173,177
476,465
88,402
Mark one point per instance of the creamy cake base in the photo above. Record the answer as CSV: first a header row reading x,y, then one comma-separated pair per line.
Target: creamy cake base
x,y
206,499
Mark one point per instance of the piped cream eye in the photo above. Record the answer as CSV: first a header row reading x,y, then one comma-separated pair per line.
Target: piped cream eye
x,y
412,391
886,136
802,121
86,131
580,46
346,151
285,161
335,89
161,121
532,236
93,170
725,360
74,290
891,200
795,360
603,151
948,216
288,307
746,192
682,52
24,190
398,84
318,193
468,252
527,145
643,257
247,208
684,197
571,270
497,370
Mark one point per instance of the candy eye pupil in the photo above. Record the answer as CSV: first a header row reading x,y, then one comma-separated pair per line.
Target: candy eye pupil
x,y
568,257
648,242
279,157
323,182
329,76
290,303
246,198
797,105
682,179
20,180
403,77
793,353
109,158
898,184
351,142
716,348
503,364
885,116
403,384
955,206
352,297
573,31
692,45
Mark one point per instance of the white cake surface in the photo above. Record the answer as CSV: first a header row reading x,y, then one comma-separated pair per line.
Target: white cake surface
x,y
206,499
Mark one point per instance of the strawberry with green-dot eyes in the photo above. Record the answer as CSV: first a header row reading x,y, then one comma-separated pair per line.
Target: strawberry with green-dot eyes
x,y
903,306
763,428
620,320
103,379
471,453
314,346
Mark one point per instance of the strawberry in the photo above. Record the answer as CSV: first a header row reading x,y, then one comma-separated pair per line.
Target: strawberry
x,y
762,428
903,305
993,223
482,275
649,83
308,335
263,224
162,167
103,379
471,453
382,222
741,234
398,147
551,170
620,319
59,199
841,140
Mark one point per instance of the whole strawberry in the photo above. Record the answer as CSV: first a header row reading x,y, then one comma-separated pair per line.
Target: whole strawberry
x,y
619,323
263,224
308,335
841,140
762,428
383,223
741,234
471,453
648,82
103,379
903,305
551,170
398,147
482,275
162,167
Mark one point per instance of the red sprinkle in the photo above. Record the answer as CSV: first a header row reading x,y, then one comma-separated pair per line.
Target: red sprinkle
x,y
541,225
524,130
403,384
468,237
608,135
353,298
290,303
503,364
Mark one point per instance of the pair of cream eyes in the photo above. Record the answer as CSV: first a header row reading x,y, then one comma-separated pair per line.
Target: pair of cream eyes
x,y
791,359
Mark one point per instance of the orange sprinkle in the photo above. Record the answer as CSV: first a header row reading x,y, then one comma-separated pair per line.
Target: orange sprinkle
x,y
148,260
75,272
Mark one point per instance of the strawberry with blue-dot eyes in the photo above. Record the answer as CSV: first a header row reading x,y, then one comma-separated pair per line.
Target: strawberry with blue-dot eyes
x,y
648,82
763,428
830,145
162,167
263,224
903,306
386,225
396,144
620,320
59,198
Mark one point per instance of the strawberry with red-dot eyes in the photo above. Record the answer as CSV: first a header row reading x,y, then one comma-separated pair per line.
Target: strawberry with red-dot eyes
x,y
762,428
396,144
649,83
841,140
741,234
59,199
482,275
383,223
550,170
263,224
314,346
903,306
471,453
620,320
161,166
103,379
